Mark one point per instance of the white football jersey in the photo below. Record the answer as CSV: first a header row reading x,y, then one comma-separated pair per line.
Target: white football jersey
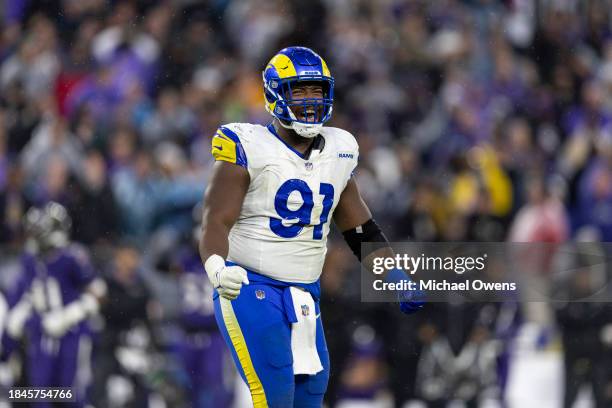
x,y
285,218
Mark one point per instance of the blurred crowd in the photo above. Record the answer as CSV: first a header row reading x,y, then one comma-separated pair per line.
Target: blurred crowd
x,y
478,120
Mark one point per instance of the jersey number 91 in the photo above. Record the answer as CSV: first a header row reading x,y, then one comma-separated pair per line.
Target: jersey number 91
x,y
300,217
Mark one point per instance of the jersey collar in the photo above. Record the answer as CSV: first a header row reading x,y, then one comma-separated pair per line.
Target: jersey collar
x,y
318,143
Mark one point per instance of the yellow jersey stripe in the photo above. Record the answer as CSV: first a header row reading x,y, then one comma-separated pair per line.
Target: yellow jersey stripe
x,y
235,334
223,149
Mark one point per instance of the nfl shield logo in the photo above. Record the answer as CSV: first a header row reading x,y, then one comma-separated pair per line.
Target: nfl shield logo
x,y
308,166
260,294
305,310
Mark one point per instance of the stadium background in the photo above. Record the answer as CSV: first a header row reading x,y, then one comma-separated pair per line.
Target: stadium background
x,y
477,120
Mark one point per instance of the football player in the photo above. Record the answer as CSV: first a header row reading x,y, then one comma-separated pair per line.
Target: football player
x,y
273,192
56,293
202,351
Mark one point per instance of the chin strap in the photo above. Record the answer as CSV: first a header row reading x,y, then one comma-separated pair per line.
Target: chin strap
x,y
307,130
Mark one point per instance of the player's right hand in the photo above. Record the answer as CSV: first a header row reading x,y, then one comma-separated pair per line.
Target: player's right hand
x,y
228,280
54,324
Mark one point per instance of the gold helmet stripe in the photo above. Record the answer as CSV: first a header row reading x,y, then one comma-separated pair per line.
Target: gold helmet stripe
x,y
325,69
283,65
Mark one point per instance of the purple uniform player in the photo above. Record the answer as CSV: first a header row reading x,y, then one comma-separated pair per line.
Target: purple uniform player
x,y
55,294
3,318
203,350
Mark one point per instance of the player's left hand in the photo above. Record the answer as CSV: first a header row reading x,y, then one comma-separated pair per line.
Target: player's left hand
x,y
411,301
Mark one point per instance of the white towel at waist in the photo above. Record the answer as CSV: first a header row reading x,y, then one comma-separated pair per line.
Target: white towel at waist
x,y
304,334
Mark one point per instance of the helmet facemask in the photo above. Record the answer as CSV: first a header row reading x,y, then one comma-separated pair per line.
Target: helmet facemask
x,y
305,116
47,229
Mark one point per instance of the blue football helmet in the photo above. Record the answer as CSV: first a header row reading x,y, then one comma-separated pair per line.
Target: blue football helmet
x,y
287,68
